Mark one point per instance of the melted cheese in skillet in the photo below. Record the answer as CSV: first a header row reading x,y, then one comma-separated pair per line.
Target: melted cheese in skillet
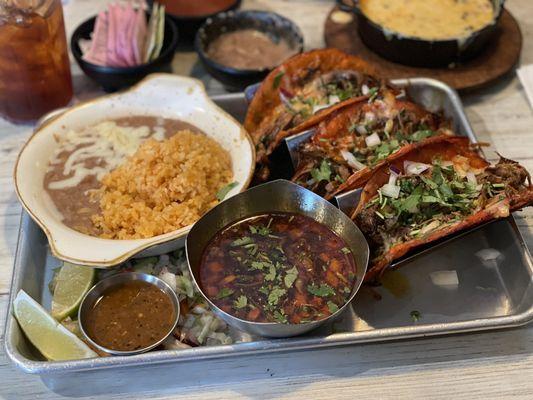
x,y
430,19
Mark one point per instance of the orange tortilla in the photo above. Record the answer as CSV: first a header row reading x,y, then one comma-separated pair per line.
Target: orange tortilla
x,y
446,148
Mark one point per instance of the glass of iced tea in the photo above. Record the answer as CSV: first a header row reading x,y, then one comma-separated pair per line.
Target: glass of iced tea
x,y
34,65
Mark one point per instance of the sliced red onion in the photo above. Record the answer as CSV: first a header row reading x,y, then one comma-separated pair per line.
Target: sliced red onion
x,y
285,96
373,140
390,190
414,168
471,178
352,161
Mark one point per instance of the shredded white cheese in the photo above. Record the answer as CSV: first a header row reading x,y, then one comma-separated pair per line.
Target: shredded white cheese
x,y
106,142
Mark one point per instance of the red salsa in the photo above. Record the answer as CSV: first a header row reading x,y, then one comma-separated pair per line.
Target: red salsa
x,y
279,267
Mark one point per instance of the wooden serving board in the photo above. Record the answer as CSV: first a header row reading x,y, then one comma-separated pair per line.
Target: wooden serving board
x,y
498,59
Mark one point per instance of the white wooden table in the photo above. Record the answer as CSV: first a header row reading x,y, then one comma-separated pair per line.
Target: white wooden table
x,y
484,365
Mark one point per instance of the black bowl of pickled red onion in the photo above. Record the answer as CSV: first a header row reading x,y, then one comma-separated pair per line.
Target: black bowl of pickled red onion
x,y
115,78
241,48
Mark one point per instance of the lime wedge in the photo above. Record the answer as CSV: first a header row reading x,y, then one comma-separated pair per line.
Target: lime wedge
x,y
52,339
73,281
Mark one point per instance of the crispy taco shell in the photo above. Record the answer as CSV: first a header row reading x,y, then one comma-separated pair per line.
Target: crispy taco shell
x,y
518,193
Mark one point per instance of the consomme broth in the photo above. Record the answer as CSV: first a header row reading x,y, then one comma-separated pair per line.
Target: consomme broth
x,y
130,316
77,203
278,267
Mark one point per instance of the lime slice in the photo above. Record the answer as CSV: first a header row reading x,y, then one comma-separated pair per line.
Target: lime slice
x,y
52,339
73,281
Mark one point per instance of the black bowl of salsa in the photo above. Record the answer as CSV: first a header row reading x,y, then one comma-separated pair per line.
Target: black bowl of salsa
x,y
277,260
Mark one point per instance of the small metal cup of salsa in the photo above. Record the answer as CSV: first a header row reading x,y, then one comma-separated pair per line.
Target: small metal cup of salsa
x,y
128,313
277,260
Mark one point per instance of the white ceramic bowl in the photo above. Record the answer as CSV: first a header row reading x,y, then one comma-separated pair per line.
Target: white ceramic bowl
x,y
162,95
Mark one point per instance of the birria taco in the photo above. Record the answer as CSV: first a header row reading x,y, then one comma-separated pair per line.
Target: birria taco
x,y
307,86
432,191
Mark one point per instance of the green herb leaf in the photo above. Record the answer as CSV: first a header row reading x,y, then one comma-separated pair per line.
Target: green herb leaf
x,y
222,193
241,302
271,275
253,229
290,276
333,308
275,294
421,135
323,173
279,317
415,315
323,290
277,80
242,241
224,292
257,265
264,290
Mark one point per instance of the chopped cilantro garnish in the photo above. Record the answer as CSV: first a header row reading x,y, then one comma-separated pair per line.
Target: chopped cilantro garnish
x,y
279,317
333,308
277,80
290,276
223,192
242,241
275,294
271,275
241,302
323,173
224,292
422,134
323,290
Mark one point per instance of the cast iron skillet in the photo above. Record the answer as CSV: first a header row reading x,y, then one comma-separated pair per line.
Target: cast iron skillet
x,y
419,52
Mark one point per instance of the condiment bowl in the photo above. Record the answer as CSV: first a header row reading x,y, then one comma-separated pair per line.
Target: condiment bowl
x,y
115,78
92,296
274,25
418,52
160,95
189,23
281,196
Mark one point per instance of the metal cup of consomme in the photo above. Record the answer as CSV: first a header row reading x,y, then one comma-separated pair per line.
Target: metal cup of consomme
x,y
128,313
278,196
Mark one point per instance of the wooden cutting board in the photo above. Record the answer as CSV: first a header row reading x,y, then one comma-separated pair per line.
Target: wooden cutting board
x,y
497,60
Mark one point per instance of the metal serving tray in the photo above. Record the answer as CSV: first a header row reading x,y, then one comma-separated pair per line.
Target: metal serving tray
x,y
491,294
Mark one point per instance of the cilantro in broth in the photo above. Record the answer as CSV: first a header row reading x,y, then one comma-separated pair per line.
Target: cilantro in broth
x,y
276,267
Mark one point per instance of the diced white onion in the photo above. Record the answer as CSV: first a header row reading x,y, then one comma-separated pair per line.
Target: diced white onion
x,y
373,140
365,89
447,279
414,168
390,190
429,227
351,160
361,129
169,278
334,100
471,178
